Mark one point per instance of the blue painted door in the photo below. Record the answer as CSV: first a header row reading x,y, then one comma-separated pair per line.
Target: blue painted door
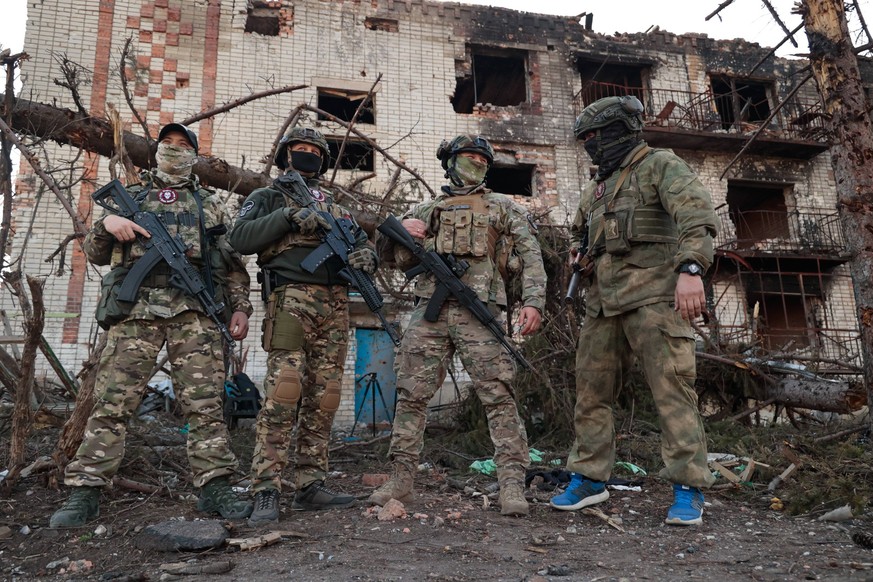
x,y
375,380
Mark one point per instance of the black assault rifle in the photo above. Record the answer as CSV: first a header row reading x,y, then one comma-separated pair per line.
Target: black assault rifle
x,y
337,241
583,266
162,246
447,271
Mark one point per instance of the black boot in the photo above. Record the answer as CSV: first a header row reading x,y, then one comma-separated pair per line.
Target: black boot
x,y
316,496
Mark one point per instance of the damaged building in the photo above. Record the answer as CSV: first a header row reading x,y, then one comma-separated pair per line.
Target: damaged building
x,y
780,280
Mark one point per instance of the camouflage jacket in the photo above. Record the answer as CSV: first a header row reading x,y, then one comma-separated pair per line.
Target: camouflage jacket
x,y
262,228
663,188
512,226
177,208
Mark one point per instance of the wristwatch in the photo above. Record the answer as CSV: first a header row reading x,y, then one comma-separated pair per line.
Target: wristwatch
x,y
691,268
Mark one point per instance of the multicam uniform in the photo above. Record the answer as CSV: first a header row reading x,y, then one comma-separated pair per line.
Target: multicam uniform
x,y
475,227
164,314
305,332
662,217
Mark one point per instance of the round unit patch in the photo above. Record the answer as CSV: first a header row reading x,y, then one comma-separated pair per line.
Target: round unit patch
x,y
168,196
317,195
601,188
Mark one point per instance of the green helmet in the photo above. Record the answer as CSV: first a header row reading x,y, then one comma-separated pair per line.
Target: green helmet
x,y
464,143
603,112
304,135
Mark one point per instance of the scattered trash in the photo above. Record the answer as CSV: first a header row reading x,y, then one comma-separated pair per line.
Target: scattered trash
x,y
776,504
487,467
263,540
25,530
594,512
100,530
57,563
843,513
635,470
636,488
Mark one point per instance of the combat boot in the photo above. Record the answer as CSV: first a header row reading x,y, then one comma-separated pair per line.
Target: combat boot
x,y
82,506
399,487
512,501
266,507
217,496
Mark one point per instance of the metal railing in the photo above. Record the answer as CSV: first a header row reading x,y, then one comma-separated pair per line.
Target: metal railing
x,y
799,119
802,231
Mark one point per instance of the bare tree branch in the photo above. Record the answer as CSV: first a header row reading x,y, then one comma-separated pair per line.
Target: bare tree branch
x,y
779,22
241,101
127,58
721,7
364,101
291,120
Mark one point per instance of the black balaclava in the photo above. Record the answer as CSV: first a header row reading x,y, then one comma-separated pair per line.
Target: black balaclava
x,y
305,162
609,147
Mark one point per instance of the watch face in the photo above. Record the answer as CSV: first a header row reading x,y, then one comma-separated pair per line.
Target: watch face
x,y
693,268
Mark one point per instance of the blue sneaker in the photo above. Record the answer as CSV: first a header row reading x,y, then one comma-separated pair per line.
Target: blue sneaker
x,y
581,492
687,508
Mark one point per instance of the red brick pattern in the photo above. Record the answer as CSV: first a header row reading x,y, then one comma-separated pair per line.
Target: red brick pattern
x,y
210,68
100,79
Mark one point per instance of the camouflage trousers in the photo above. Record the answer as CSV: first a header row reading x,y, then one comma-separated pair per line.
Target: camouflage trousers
x,y
305,366
196,358
664,344
426,351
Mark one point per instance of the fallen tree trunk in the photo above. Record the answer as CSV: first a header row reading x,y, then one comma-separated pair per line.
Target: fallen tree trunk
x,y
824,395
93,134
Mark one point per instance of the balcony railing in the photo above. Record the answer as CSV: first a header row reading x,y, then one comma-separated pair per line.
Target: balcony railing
x,y
798,119
801,231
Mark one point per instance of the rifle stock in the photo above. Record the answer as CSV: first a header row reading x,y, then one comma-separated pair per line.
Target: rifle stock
x,y
161,246
447,271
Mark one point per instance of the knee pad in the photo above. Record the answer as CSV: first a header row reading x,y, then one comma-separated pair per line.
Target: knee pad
x,y
288,386
330,400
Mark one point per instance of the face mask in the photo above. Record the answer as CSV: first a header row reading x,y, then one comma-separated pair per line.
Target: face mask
x,y
306,162
469,171
175,161
591,147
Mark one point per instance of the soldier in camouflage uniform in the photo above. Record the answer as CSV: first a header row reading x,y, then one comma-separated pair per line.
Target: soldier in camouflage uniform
x,y
650,225
305,328
496,237
163,314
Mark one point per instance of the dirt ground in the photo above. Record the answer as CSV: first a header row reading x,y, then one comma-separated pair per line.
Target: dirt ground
x,y
448,534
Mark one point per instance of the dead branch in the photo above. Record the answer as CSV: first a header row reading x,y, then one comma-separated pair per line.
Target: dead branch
x,y
721,7
127,59
290,121
22,419
78,224
752,410
351,124
142,487
130,173
72,81
840,434
241,101
861,20
74,429
781,24
6,167
773,50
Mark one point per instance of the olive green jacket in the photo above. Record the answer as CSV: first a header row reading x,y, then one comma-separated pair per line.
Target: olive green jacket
x,y
647,273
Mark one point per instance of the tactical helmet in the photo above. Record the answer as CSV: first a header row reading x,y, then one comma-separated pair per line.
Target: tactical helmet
x,y
464,143
603,112
304,135
192,137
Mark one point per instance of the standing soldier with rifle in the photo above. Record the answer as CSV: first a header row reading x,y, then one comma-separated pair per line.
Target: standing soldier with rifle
x,y
484,238
306,325
645,227
177,299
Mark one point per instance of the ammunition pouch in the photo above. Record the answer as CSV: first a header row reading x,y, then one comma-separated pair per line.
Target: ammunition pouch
x,y
111,310
615,231
465,227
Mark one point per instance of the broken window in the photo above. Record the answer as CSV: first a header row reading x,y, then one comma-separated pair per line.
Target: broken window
x,y
740,100
516,180
357,155
758,212
783,322
382,24
262,18
498,77
603,79
342,104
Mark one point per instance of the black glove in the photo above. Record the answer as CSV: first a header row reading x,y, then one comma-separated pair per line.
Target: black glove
x,y
306,220
363,259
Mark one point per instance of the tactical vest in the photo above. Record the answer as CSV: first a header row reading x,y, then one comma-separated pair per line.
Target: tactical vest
x,y
297,239
464,227
618,219
177,209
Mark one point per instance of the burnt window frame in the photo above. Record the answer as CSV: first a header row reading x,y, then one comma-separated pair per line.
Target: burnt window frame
x,y
730,105
604,81
369,119
763,227
468,106
497,167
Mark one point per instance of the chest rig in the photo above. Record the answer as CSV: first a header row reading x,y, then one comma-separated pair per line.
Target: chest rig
x,y
463,227
180,211
618,217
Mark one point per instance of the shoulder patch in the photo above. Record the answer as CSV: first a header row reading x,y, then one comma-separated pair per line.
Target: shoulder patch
x,y
245,208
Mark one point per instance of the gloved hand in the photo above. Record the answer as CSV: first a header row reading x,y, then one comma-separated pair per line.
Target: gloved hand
x,y
306,220
363,259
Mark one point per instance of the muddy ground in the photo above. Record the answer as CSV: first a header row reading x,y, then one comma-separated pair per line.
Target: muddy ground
x,y
448,533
